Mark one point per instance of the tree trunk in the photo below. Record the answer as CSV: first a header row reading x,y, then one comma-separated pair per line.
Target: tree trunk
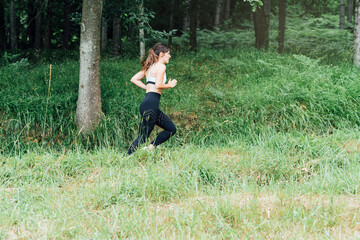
x,y
342,14
262,25
38,36
218,14
186,22
142,33
350,5
13,37
227,10
104,28
66,36
171,21
49,14
31,22
267,5
88,111
282,23
116,35
3,38
259,18
193,24
357,34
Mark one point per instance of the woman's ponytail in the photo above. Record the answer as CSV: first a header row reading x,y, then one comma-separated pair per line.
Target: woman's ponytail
x,y
150,60
153,55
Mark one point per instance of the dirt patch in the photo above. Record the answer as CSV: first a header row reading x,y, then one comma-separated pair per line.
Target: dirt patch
x,y
352,146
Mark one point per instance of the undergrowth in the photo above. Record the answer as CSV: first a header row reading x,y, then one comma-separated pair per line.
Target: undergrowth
x,y
221,95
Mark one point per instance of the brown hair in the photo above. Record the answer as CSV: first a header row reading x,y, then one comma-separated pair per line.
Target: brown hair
x,y
153,55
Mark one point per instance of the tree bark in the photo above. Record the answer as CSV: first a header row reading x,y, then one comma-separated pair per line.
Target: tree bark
x,y
104,28
142,33
13,37
259,20
116,35
342,14
357,34
3,38
66,36
262,25
38,36
218,14
49,14
193,24
227,10
267,5
186,22
282,23
88,111
350,5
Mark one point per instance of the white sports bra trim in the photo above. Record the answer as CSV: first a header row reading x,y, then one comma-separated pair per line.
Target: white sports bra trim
x,y
151,80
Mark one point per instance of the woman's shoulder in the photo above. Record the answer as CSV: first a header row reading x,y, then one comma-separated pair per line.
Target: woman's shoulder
x,y
161,66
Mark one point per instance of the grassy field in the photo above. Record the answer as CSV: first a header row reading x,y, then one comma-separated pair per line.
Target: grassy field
x,y
267,146
282,186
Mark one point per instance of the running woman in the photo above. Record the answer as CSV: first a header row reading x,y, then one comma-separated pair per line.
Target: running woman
x,y
154,71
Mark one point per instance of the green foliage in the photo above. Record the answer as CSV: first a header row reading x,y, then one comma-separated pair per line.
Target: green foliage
x,y
318,38
254,4
221,96
317,7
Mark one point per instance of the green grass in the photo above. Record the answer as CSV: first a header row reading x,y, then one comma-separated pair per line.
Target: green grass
x,y
279,185
221,96
267,146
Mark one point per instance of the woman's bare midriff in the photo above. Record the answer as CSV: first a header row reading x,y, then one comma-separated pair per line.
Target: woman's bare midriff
x,y
152,88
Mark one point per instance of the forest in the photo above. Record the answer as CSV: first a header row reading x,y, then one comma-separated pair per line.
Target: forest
x,y
266,107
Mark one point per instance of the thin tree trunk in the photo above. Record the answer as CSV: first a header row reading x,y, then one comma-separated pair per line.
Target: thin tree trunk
x,y
171,21
13,37
66,36
49,14
104,28
142,33
193,24
116,35
350,5
218,14
342,14
267,5
227,10
186,22
3,38
259,20
261,26
232,7
31,22
357,34
38,36
88,111
282,23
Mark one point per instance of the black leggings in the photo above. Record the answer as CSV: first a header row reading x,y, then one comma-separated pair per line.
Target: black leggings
x,y
151,116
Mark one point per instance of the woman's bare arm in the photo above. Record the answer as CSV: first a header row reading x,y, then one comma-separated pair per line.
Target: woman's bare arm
x,y
159,79
136,79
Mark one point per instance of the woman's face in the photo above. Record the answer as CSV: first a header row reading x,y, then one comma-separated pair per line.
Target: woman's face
x,y
166,57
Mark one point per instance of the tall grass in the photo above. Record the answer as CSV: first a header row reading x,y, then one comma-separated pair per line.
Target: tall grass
x,y
278,185
267,147
221,96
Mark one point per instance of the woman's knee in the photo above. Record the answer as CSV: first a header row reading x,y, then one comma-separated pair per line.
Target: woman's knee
x,y
173,130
